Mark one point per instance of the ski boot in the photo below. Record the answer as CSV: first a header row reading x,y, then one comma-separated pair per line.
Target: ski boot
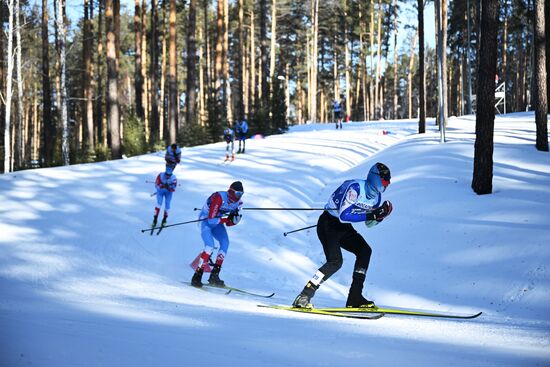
x,y
359,301
304,298
164,220
214,278
197,277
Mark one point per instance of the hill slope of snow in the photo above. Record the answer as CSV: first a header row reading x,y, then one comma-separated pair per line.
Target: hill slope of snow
x,y
81,285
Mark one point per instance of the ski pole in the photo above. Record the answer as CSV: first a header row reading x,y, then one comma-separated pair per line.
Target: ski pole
x,y
153,194
297,230
175,224
279,209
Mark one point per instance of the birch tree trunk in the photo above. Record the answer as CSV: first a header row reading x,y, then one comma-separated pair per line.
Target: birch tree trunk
x,y
8,167
60,23
421,75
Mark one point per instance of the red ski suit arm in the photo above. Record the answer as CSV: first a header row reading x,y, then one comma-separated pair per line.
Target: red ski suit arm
x,y
215,204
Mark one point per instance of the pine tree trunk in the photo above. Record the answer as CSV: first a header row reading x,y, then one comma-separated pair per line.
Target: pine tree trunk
x,y
219,53
20,147
138,77
239,62
144,74
410,76
482,182
541,103
162,79
99,112
263,54
191,95
314,59
225,53
155,123
88,76
252,75
273,46
547,46
113,116
395,78
378,63
347,67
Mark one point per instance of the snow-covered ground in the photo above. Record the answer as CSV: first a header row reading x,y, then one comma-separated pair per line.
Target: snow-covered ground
x,y
80,285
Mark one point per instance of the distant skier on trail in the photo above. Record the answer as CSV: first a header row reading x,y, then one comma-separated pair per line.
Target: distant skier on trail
x,y
229,137
241,128
165,184
355,200
172,156
220,210
337,110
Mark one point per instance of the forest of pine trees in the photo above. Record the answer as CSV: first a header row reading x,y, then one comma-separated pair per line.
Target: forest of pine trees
x,y
124,78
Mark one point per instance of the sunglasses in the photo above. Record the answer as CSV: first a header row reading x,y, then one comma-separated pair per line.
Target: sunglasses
x,y
384,173
238,194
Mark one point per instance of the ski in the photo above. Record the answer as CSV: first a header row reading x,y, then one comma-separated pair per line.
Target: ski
x,y
397,311
207,288
238,290
319,311
233,289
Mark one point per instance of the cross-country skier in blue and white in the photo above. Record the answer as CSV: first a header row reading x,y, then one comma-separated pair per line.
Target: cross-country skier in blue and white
x,y
241,128
229,137
165,184
172,156
354,201
220,210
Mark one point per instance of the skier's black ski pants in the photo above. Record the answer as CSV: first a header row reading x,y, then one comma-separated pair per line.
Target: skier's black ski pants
x,y
335,235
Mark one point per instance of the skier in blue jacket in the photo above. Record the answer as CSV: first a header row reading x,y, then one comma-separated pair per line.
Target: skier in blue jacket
x,y
220,210
354,201
172,156
242,129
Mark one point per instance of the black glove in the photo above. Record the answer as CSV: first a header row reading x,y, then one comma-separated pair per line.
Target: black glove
x,y
381,212
234,217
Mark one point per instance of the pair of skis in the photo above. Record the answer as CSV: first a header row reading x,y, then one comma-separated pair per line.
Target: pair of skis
x,y
159,229
371,313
